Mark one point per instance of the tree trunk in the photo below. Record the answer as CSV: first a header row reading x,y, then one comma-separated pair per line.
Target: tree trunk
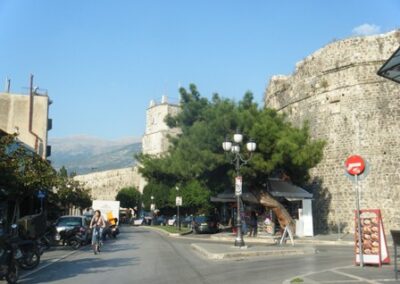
x,y
268,201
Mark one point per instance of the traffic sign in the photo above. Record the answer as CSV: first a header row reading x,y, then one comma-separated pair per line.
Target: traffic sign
x,y
238,185
41,194
178,201
355,165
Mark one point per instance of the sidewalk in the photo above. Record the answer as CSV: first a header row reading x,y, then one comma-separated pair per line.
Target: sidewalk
x,y
228,251
329,239
227,236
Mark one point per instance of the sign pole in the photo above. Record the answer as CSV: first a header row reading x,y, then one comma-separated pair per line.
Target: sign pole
x,y
178,219
359,222
239,242
178,202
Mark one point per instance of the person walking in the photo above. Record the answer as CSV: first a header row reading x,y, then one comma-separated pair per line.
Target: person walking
x,y
253,224
97,224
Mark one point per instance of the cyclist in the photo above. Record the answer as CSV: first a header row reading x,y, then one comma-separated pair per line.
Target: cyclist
x,y
97,225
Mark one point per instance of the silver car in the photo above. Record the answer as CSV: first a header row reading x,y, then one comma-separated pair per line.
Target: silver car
x,y
69,222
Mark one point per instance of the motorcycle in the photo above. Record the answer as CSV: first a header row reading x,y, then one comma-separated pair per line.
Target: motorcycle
x,y
111,232
73,237
9,255
114,231
30,249
45,241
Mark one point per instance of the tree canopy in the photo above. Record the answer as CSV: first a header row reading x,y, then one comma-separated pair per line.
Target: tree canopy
x,y
22,172
129,197
197,163
71,192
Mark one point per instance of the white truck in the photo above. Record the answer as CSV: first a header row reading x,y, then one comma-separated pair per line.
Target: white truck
x,y
109,209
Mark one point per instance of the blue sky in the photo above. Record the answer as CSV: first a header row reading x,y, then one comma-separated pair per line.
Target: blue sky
x,y
103,61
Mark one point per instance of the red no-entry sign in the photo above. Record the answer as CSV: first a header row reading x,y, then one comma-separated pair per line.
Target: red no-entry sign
x,y
355,165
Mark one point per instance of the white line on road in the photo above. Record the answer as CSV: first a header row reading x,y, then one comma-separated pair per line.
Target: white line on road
x,y
357,279
48,264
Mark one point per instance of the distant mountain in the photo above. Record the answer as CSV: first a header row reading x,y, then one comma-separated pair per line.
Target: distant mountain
x,y
85,154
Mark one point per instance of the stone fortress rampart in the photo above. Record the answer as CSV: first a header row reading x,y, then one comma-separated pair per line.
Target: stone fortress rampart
x,y
336,90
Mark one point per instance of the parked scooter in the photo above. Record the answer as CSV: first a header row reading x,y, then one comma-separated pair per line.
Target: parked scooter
x,y
46,240
73,237
30,250
9,255
111,230
114,231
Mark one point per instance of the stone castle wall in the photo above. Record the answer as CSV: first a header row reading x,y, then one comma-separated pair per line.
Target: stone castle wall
x,y
105,185
355,111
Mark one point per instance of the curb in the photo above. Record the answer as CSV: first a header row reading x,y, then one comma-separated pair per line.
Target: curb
x,y
168,234
180,234
243,253
296,241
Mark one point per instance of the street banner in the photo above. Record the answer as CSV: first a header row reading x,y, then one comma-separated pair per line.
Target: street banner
x,y
178,201
238,185
373,238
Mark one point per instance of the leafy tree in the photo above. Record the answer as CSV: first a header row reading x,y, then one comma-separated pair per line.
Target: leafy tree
x,y
160,193
196,160
71,192
195,196
22,172
129,197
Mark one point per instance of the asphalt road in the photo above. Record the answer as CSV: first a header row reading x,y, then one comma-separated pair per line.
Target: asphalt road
x,y
144,256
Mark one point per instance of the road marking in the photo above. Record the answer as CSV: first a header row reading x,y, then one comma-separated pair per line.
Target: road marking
x,y
353,276
48,264
335,270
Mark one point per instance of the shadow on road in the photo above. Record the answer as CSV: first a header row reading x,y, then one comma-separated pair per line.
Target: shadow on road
x,y
71,268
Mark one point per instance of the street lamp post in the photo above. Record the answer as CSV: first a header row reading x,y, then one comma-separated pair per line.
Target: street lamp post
x,y
238,160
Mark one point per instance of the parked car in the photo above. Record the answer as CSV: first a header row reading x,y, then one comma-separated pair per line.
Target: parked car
x,y
139,222
205,224
187,221
172,221
148,217
70,222
161,220
145,218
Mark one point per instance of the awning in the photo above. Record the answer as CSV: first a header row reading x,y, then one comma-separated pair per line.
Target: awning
x,y
391,69
229,197
279,188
